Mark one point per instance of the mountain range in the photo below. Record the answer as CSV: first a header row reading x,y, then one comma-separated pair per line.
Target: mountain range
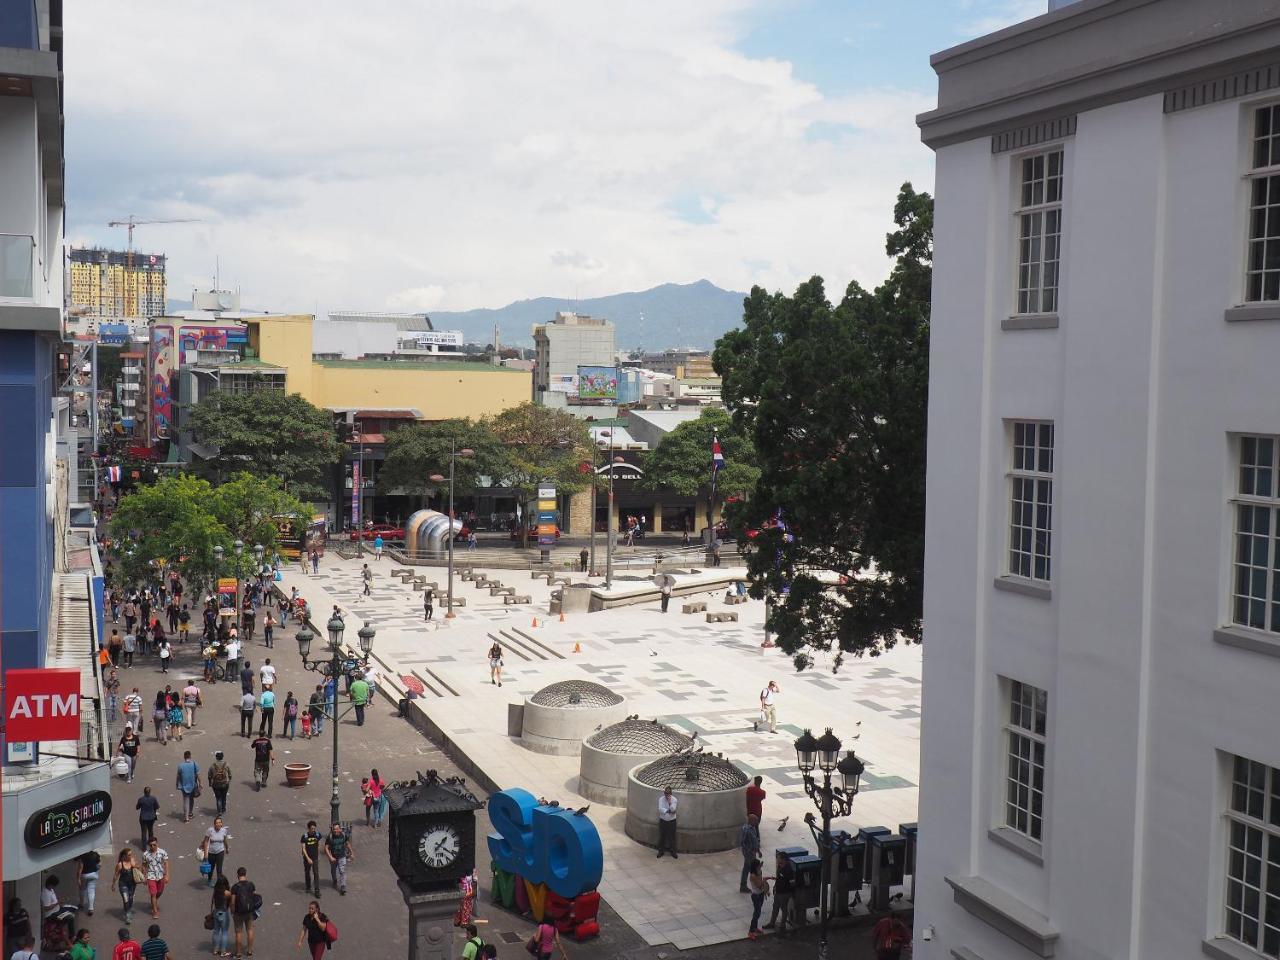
x,y
665,317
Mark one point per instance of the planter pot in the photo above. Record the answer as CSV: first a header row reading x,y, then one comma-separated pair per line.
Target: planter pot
x,y
297,774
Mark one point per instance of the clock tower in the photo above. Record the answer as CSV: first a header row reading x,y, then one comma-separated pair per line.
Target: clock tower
x,y
432,833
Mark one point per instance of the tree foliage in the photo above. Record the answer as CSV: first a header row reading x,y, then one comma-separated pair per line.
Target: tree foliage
x,y
543,444
267,434
682,461
835,399
418,450
252,508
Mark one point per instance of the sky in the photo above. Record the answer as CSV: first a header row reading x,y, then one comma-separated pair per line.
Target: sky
x,y
420,155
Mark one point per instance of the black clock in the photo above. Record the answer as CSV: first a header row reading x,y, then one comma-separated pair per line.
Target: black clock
x,y
431,836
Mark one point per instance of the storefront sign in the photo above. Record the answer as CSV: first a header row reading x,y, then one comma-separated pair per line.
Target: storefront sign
x,y
43,704
356,492
64,820
227,586
546,516
548,845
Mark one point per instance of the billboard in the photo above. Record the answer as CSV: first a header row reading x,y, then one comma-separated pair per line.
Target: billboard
x,y
597,383
562,383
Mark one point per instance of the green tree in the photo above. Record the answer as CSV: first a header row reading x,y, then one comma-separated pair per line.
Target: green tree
x,y
682,461
835,399
251,510
417,450
267,434
542,444
168,523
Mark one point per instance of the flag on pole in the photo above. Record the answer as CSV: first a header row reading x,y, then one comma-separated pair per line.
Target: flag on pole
x,y
717,461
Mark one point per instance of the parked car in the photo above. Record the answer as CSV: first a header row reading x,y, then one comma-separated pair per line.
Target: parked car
x,y
387,531
533,532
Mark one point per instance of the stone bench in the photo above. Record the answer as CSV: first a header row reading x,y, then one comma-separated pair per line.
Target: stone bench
x,y
513,597
697,607
418,585
557,594
539,575
461,602
498,590
733,599
722,617
467,575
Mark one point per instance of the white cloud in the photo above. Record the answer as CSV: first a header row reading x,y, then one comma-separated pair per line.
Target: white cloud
x,y
440,155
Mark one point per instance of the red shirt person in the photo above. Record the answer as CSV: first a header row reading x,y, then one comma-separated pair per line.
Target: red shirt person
x,y
127,948
755,798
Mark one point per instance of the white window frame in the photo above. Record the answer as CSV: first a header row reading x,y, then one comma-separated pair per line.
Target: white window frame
x,y
1029,492
1035,207
1253,581
1024,754
1262,165
1251,844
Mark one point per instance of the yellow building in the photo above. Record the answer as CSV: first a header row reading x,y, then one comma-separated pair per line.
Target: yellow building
x,y
112,283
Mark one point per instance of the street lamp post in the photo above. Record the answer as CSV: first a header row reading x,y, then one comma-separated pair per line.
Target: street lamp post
x,y
609,535
831,801
454,454
238,547
331,669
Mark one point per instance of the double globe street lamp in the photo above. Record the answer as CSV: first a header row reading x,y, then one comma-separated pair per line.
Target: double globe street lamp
x,y
454,454
332,669
238,547
831,800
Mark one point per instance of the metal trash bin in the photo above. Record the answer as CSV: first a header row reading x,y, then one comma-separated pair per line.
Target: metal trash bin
x,y
865,834
909,830
848,862
808,882
887,853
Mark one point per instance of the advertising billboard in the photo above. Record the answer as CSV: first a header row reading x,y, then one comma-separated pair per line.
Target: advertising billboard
x,y
597,383
562,383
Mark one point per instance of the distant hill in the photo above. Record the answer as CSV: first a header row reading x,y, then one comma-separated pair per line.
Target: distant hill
x,y
669,316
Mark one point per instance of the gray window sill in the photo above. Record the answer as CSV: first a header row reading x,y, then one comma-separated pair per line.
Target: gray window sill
x,y
1019,843
1246,638
1030,321
1252,311
1028,588
1221,948
1005,913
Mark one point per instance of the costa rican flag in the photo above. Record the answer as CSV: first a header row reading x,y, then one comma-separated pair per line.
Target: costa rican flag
x,y
717,461
114,474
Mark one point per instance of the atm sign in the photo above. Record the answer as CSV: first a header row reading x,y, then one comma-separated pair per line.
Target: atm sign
x,y
42,704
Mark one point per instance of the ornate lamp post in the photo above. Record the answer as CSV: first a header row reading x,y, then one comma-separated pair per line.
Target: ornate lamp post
x,y
609,535
831,801
238,547
331,669
454,454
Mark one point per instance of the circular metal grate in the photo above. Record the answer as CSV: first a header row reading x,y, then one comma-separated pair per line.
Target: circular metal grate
x,y
692,773
576,694
639,737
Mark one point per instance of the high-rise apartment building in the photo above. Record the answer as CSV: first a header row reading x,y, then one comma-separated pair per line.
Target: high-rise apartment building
x,y
1100,762
112,283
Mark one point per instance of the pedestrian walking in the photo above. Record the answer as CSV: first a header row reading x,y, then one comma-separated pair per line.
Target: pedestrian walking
x,y
749,847
215,846
495,663
666,594
315,562
769,707
244,900
128,646
667,806
473,949
165,654
584,555
315,712
755,799
340,851
126,876
87,866
104,660
784,885
268,630
155,867
311,841
184,623
290,726
148,808
315,931
359,694
233,658
378,796
246,677
191,700
220,913
471,540
130,747
263,757
545,941
715,552
267,675
115,646
160,717
267,713
220,781
130,612
377,547
331,699
17,931
758,887
127,948
112,687
247,706
154,947
176,716
131,706
171,611
890,936
428,603
367,576
187,781
80,948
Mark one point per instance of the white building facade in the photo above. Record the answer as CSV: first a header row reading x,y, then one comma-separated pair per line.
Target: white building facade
x,y
1101,735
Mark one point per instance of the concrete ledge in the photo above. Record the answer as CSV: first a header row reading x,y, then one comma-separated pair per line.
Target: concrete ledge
x,y
1252,311
964,953
1221,948
1028,588
1019,843
1247,639
14,316
1030,321
1005,913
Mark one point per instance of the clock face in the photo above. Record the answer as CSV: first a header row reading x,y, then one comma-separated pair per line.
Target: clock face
x,y
439,846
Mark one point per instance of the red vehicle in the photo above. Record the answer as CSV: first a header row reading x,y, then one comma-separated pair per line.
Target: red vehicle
x,y
386,531
533,533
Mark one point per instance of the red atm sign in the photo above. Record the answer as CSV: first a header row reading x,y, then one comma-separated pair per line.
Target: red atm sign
x,y
42,704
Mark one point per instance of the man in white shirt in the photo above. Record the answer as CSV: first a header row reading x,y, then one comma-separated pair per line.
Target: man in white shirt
x,y
667,804
233,658
768,710
267,674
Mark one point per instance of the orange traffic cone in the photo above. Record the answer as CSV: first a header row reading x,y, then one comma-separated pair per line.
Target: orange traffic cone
x,y
535,621
577,648
562,616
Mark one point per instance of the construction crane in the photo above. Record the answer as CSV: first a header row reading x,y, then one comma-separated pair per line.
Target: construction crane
x,y
132,222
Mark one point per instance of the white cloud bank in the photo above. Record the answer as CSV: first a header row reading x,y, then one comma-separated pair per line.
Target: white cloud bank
x,y
450,155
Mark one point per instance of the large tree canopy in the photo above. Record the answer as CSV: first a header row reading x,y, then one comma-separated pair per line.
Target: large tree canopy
x,y
835,399
682,461
543,444
418,450
267,434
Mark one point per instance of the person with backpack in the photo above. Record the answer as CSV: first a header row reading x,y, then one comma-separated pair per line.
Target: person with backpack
x,y
340,851
544,940
890,935
318,931
473,949
263,758
220,781
244,900
290,726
